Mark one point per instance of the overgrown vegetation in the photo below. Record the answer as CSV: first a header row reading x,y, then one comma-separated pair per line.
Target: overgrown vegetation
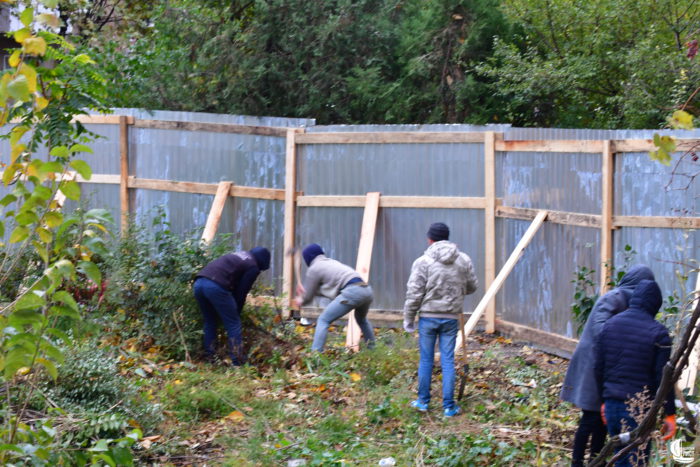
x,y
560,64
585,293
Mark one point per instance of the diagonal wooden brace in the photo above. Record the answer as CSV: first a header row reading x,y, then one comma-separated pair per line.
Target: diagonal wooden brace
x,y
501,278
217,209
364,260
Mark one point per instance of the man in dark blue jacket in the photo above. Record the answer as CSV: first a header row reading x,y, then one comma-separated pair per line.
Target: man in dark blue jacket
x,y
580,386
630,355
220,289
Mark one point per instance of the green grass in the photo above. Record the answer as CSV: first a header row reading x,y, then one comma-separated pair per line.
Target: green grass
x,y
352,409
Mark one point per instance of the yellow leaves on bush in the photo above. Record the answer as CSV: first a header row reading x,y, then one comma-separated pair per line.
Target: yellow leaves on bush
x,y
30,73
34,46
682,120
15,58
49,19
22,35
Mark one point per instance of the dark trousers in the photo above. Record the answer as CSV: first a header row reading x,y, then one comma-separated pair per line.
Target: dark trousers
x,y
589,427
217,304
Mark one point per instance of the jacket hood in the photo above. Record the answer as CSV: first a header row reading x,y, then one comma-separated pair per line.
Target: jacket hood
x,y
647,297
443,251
635,275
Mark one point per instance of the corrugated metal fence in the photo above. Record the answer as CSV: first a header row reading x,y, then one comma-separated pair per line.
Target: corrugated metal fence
x,y
539,291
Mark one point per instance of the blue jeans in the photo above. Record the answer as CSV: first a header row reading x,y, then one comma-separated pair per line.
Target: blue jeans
x,y
216,303
430,329
615,412
352,296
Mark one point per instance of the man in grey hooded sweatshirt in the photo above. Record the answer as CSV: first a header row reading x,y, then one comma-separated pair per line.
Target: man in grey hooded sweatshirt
x,y
580,386
436,288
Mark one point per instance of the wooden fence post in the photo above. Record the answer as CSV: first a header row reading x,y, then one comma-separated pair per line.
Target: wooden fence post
x,y
608,206
217,209
124,172
490,224
364,261
290,190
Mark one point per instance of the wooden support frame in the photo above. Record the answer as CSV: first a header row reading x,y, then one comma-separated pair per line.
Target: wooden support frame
x,y
396,137
217,209
490,223
555,217
427,202
290,183
502,275
364,261
606,222
124,173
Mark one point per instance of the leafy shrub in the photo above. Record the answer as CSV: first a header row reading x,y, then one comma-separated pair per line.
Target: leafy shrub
x,y
585,294
149,274
89,387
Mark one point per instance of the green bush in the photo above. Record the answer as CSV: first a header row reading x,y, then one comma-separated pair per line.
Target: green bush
x,y
149,285
89,387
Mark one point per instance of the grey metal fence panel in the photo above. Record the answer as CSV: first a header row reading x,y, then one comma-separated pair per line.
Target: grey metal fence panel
x,y
399,240
392,169
555,181
648,188
668,252
539,291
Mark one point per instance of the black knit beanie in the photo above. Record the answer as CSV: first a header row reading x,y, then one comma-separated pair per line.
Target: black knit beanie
x,y
262,257
311,252
438,231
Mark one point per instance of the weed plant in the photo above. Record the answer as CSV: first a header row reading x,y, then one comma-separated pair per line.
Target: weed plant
x,y
149,285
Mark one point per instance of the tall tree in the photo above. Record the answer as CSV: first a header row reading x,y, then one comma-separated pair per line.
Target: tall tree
x,y
339,61
599,63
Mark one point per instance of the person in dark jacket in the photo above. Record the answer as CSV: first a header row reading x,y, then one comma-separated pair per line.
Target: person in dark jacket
x,y
631,352
580,386
220,289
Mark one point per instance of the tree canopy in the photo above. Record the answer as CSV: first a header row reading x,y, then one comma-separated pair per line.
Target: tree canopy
x,y
601,63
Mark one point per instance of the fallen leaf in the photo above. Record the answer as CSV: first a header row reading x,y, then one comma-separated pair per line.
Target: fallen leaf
x,y
355,377
235,416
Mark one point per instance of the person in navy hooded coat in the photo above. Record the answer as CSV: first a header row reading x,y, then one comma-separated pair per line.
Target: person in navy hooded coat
x,y
580,386
221,288
631,353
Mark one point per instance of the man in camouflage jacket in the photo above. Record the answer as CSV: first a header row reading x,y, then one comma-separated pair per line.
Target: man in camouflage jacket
x,y
436,288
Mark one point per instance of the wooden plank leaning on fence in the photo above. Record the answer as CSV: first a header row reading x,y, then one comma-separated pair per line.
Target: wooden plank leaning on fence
x,y
364,260
687,379
501,277
217,209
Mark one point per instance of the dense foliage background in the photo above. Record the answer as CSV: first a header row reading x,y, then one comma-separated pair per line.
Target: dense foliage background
x,y
583,64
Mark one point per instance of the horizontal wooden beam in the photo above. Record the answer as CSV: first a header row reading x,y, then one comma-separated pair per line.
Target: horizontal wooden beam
x,y
556,217
433,202
205,188
594,220
211,127
645,145
98,179
546,340
667,222
588,146
102,119
408,137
